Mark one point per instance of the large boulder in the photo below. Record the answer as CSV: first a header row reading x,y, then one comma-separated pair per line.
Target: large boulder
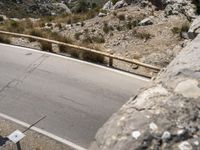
x,y
176,7
63,7
195,27
146,21
108,6
120,4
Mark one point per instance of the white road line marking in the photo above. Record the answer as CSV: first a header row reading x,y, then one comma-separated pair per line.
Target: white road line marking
x,y
81,61
50,135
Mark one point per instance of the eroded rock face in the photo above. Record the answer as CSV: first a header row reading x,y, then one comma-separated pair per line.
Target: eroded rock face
x,y
164,116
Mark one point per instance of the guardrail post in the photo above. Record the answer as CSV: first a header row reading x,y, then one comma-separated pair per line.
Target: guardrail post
x,y
110,62
18,146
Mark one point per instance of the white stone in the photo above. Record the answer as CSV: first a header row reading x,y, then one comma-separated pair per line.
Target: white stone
x,y
153,126
196,143
108,6
120,4
185,146
102,14
166,135
180,132
136,134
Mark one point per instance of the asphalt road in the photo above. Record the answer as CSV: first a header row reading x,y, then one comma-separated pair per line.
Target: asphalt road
x,y
77,97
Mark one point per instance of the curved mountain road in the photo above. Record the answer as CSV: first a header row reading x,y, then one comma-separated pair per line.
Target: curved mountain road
x,y
77,97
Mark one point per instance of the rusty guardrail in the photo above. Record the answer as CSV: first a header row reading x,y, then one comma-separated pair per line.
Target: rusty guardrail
x,y
110,56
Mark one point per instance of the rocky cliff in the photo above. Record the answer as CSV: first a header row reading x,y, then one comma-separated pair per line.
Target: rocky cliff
x,y
164,116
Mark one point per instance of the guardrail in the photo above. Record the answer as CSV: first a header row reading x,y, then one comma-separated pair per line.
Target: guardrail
x,y
110,56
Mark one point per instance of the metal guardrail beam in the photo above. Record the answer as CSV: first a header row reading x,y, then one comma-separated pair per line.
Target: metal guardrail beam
x,y
110,56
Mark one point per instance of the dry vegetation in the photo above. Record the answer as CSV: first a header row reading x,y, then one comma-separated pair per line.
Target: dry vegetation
x,y
36,28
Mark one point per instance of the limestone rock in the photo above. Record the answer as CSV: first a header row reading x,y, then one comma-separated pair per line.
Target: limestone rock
x,y
108,5
146,21
120,4
102,14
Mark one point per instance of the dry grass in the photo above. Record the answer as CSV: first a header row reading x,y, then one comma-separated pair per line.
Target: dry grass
x,y
46,46
35,29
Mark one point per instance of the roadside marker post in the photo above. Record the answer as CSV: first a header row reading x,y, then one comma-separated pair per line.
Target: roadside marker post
x,y
17,135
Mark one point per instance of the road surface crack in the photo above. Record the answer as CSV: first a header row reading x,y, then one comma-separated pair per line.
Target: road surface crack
x,y
30,69
73,101
7,86
33,66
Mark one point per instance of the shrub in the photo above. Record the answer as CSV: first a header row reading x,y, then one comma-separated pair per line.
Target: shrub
x,y
1,18
129,25
115,1
72,52
35,32
106,28
121,17
179,30
115,13
98,39
135,23
59,26
81,6
93,57
185,27
46,46
82,24
87,39
77,35
197,4
3,39
119,28
142,35
175,30
14,26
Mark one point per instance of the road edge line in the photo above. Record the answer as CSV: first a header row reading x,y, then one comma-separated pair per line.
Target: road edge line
x,y
81,61
48,134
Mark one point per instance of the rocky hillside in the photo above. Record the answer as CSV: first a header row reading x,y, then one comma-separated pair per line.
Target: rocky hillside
x,y
38,8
